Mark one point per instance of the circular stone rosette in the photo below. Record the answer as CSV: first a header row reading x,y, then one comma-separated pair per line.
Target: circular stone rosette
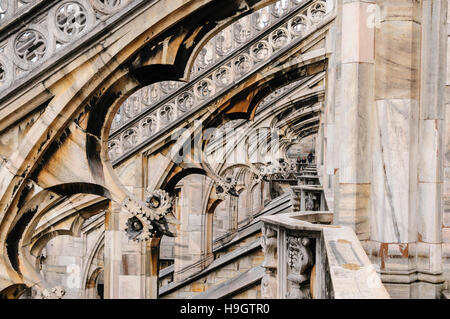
x,y
71,19
160,201
109,7
31,46
138,228
6,71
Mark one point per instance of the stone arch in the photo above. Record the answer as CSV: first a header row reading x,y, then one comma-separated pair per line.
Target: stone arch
x,y
19,238
170,185
13,291
88,274
73,104
91,283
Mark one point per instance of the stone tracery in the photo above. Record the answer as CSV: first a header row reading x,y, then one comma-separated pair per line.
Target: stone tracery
x,y
287,47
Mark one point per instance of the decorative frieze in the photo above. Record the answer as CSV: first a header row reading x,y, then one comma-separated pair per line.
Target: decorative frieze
x,y
280,170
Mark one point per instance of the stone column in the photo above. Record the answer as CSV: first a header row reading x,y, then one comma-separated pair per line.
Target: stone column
x,y
406,145
131,267
188,244
112,251
152,268
352,116
446,191
431,141
395,147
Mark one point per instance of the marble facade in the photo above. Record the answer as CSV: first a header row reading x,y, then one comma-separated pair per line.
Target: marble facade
x,y
158,149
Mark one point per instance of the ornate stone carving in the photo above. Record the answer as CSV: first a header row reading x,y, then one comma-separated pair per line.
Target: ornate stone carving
x,y
154,219
139,228
160,201
269,280
71,19
30,46
226,186
108,7
279,170
269,285
299,262
63,24
55,293
136,208
167,101
309,202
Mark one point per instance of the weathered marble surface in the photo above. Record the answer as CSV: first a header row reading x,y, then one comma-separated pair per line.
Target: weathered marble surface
x,y
352,274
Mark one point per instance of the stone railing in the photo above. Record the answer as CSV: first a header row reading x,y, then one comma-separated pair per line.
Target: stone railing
x,y
48,30
304,260
309,198
220,47
9,9
211,84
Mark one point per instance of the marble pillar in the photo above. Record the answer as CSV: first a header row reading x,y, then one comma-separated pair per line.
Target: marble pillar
x,y
189,246
352,117
407,146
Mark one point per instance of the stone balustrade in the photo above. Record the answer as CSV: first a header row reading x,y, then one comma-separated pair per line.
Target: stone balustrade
x,y
305,260
35,33
172,103
226,43
309,198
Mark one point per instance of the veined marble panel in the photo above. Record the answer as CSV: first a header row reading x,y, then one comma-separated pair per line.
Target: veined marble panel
x,y
431,146
353,118
397,74
429,221
353,208
357,33
399,10
394,181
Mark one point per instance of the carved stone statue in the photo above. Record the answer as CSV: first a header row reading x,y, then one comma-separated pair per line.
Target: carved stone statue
x,y
309,202
299,262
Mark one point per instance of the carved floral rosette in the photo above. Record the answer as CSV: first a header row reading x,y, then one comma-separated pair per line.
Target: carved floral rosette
x,y
140,226
55,293
160,201
225,186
